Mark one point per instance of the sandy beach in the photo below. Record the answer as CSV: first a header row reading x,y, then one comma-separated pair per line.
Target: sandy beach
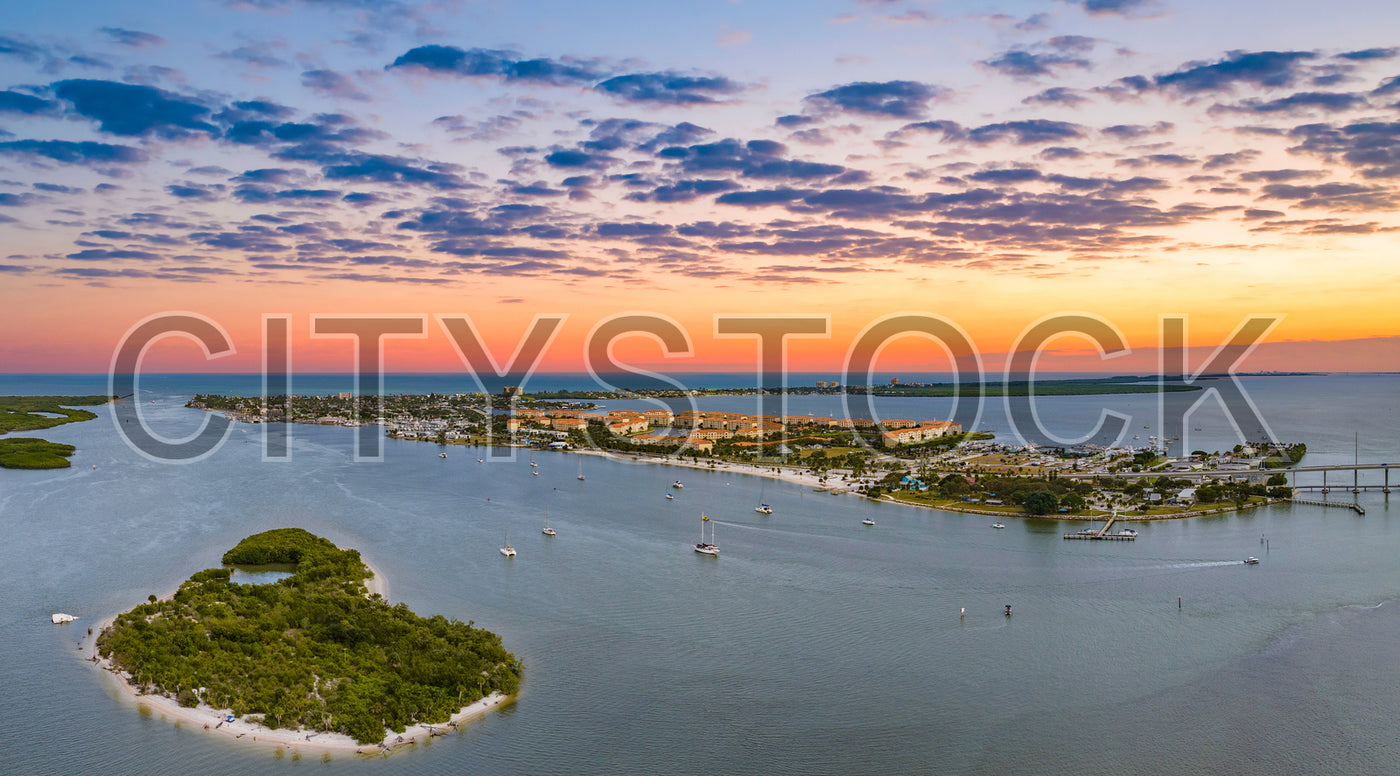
x,y
209,720
838,486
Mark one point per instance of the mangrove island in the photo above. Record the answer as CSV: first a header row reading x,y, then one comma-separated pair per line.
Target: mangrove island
x,y
313,653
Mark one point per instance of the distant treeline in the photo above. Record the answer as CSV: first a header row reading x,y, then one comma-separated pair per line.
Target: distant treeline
x,y
1077,387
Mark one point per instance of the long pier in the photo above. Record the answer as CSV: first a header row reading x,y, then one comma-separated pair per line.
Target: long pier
x,y
1352,505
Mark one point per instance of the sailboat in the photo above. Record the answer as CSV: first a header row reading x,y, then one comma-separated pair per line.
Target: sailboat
x,y
763,508
508,550
547,531
580,469
703,547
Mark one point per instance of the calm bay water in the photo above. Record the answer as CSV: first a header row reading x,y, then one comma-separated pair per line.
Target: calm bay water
x,y
814,645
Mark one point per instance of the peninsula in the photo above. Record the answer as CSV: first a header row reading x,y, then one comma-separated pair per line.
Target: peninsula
x,y
930,463
312,659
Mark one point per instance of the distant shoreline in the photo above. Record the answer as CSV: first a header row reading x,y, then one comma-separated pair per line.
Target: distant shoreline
x,y
811,480
207,719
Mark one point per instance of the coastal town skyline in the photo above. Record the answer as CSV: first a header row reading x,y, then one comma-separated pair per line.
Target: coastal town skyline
x,y
989,164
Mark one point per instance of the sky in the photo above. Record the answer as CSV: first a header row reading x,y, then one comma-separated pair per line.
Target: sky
x,y
992,163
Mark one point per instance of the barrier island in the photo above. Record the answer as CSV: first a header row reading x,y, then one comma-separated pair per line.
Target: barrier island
x,y
313,653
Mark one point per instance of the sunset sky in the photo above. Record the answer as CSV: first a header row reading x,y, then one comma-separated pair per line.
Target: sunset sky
x,y
991,162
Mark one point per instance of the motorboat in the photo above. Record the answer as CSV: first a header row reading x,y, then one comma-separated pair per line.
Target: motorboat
x,y
763,509
1251,561
669,497
998,525
677,485
442,455
867,521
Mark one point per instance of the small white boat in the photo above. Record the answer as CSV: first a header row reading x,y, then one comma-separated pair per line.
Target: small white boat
x,y
442,455
763,509
867,521
532,462
547,531
508,550
703,547
1251,561
669,497
677,485
998,525
580,469
536,472
480,460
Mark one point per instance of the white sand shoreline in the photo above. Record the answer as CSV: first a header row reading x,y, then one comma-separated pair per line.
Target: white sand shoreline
x,y
840,487
207,719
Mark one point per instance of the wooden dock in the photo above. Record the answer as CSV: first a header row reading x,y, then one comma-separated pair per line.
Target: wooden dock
x,y
1352,505
1102,534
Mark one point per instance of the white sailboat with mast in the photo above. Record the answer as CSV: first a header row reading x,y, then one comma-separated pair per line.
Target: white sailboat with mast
x,y
580,468
703,547
763,508
547,531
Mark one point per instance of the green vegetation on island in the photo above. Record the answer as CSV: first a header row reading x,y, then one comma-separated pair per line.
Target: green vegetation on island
x,y
18,413
310,651
32,413
1065,497
31,453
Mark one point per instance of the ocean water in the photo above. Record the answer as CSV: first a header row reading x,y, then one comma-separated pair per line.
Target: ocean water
x,y
813,645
